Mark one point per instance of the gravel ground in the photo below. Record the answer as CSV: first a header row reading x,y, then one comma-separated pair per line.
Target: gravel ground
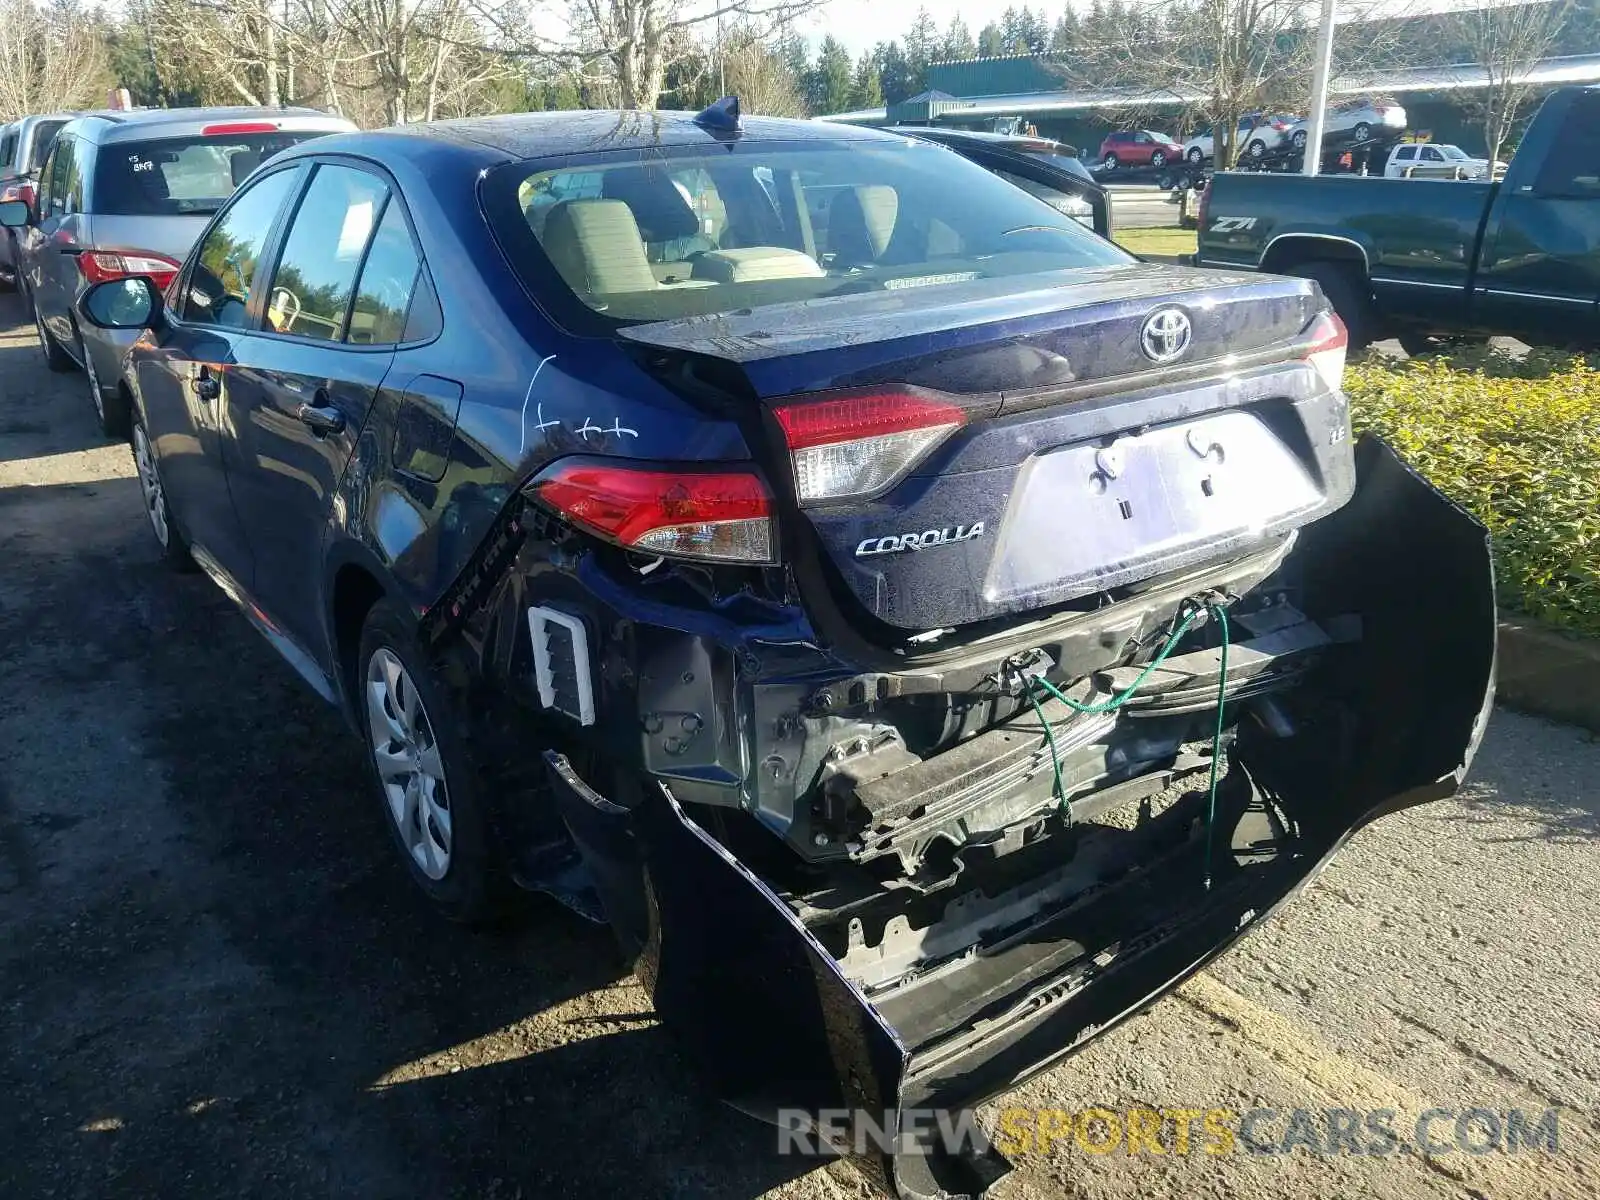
x,y
213,980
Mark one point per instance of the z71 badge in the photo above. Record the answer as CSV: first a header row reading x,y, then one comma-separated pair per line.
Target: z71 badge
x,y
895,542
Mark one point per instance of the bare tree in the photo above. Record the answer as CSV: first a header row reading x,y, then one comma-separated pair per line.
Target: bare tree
x,y
1507,40
1218,61
631,44
52,58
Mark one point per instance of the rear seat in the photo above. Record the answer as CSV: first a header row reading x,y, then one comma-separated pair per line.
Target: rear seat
x,y
596,246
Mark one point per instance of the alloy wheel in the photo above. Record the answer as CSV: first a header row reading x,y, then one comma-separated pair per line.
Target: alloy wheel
x,y
155,499
409,765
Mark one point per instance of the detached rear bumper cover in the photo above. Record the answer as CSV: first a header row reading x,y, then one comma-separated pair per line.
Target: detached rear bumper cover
x,y
780,1020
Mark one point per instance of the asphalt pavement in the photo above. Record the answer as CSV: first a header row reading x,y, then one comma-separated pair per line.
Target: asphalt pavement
x,y
214,981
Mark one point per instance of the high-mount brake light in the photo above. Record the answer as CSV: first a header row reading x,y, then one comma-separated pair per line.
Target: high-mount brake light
x,y
710,516
849,446
1329,344
102,266
231,128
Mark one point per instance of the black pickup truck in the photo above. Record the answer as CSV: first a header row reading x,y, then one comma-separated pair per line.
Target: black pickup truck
x,y
1416,257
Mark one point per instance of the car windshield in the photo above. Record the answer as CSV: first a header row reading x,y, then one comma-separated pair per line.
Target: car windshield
x,y
701,231
1452,152
181,176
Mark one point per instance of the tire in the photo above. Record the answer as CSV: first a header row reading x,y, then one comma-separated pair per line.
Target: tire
x,y
1158,159
1195,155
1361,132
422,773
1346,290
112,414
147,470
1256,148
1111,162
55,357
1299,141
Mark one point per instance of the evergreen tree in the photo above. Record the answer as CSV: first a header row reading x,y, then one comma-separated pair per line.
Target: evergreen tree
x,y
991,41
866,89
922,47
958,43
827,84
1067,34
893,72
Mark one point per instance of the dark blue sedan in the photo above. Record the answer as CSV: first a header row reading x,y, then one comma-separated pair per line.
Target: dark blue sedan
x,y
764,536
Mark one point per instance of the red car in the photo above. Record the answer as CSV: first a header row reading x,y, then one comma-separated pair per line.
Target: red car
x,y
1139,148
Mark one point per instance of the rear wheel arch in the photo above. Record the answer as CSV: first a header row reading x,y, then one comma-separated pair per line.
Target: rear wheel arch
x,y
354,591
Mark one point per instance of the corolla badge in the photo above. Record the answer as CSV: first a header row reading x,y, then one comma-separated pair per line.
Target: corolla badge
x,y
1166,334
895,542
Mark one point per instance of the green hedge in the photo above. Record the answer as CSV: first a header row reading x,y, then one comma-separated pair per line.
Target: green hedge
x,y
1517,442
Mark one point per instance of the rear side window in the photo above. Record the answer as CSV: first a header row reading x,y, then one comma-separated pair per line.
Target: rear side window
x,y
224,270
316,273
172,177
8,150
1573,167
383,296
1405,153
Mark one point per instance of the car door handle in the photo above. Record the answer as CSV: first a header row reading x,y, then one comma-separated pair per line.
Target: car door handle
x,y
206,385
321,417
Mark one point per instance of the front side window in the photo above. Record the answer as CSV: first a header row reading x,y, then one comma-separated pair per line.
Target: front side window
x,y
180,176
322,254
695,231
1429,154
218,290
57,169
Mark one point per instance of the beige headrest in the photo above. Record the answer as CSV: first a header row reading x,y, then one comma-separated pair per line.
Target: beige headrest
x,y
596,246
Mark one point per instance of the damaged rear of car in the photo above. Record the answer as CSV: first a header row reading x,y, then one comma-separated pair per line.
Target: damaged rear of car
x,y
922,631
1052,634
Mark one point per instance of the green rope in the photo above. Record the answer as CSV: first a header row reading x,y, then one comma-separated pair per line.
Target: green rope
x,y
1049,737
1122,697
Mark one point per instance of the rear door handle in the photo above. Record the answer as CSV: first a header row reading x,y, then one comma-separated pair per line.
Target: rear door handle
x,y
321,417
206,385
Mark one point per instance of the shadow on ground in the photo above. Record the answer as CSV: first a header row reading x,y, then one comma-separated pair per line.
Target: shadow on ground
x,y
214,978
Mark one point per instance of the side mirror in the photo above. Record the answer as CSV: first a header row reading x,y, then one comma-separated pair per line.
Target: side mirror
x,y
130,303
14,214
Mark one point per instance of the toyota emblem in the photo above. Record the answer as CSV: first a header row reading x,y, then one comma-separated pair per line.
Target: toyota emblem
x,y
1166,334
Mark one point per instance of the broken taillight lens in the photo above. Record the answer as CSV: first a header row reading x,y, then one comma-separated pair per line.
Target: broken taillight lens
x,y
102,266
718,517
1329,343
848,446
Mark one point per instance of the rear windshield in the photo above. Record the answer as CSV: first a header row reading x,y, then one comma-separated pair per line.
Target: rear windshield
x,y
173,177
712,231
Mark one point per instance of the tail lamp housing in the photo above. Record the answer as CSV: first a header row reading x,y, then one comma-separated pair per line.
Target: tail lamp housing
x,y
858,444
102,266
707,516
1329,343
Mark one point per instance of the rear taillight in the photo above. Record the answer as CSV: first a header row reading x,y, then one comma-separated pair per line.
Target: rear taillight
x,y
855,445
1326,353
721,517
102,266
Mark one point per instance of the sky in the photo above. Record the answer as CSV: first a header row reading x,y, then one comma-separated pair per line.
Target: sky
x,y
862,24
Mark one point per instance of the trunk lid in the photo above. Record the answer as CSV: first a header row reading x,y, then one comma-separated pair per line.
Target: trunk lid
x,y
1097,449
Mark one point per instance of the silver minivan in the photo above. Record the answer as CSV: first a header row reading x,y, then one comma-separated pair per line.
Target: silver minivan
x,y
23,145
127,193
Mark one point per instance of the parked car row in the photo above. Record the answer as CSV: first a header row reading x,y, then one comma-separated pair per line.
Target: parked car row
x,y
1350,121
123,194
760,535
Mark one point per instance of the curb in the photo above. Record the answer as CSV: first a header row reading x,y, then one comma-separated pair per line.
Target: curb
x,y
1549,673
